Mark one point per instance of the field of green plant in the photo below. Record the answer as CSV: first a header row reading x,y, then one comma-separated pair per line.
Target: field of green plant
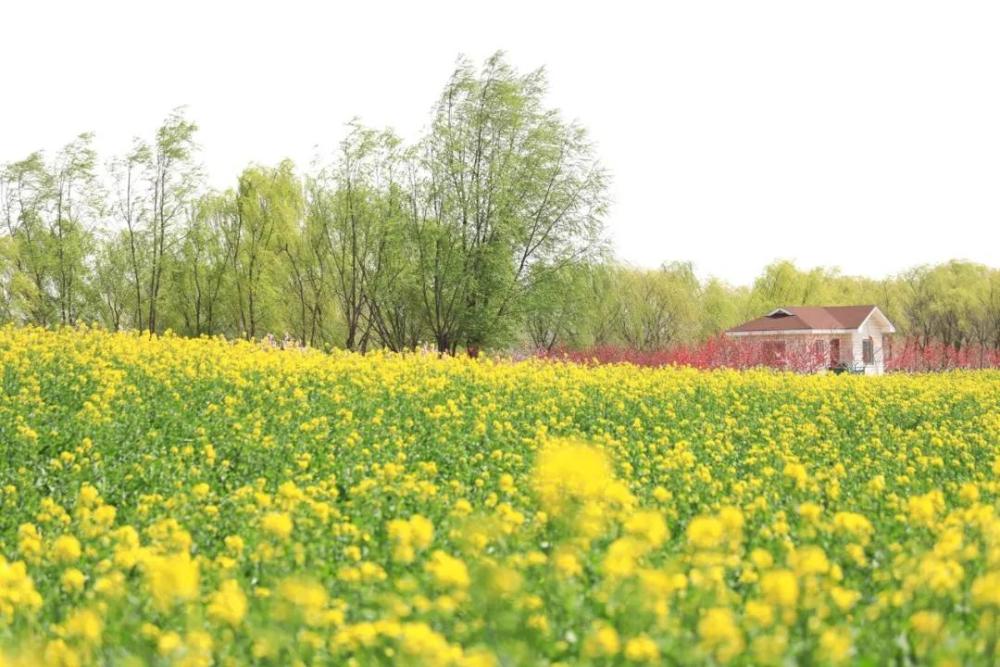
x,y
172,501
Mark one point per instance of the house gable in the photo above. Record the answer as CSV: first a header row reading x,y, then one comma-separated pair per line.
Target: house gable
x,y
878,318
811,320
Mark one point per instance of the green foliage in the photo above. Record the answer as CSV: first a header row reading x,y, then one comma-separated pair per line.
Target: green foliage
x,y
957,303
512,193
658,308
48,207
487,232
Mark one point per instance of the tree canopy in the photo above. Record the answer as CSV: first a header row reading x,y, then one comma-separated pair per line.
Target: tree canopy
x,y
487,232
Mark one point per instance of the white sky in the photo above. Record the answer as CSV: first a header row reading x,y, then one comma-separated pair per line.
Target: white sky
x,y
864,135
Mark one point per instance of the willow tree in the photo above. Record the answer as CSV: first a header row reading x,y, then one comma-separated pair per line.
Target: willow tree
x,y
154,186
199,268
356,206
506,192
25,189
173,180
77,205
658,308
111,293
307,258
267,207
49,210
130,207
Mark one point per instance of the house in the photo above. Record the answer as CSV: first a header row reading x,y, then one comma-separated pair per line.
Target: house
x,y
857,338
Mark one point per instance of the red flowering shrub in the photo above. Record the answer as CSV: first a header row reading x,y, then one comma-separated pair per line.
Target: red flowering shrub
x,y
913,357
724,352
718,352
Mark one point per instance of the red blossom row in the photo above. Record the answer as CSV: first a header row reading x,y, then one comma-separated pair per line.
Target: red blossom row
x,y
723,352
915,357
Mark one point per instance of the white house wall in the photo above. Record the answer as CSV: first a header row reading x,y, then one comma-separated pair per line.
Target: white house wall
x,y
874,329
851,341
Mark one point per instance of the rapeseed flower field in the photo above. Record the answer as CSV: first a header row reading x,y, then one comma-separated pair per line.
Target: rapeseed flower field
x,y
170,501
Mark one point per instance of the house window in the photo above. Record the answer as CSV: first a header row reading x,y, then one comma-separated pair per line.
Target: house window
x,y
834,352
887,347
774,351
868,351
819,351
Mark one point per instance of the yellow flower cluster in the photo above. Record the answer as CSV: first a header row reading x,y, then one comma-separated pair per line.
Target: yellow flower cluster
x,y
17,591
204,502
408,536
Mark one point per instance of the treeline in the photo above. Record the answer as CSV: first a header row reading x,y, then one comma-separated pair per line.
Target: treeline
x,y
447,240
955,304
486,232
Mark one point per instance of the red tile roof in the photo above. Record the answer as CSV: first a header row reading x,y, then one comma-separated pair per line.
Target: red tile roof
x,y
808,317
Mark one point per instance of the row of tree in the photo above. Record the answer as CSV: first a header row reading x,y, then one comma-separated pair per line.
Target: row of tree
x,y
390,244
956,304
486,232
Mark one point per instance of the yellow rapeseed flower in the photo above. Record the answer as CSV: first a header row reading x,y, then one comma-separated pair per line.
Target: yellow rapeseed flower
x,y
705,532
835,645
85,625
447,570
228,604
73,580
66,549
602,641
278,524
780,587
720,635
641,649
171,579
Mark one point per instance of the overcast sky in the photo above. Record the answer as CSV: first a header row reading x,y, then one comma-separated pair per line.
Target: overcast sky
x,y
864,135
